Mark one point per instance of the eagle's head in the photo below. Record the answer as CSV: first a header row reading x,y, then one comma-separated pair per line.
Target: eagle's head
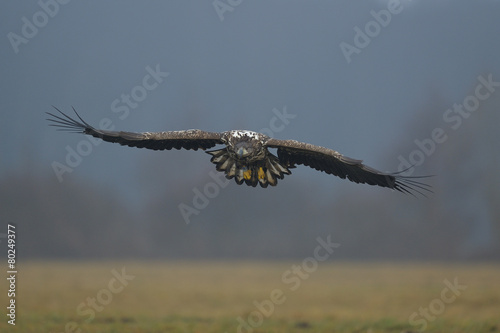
x,y
243,149
246,146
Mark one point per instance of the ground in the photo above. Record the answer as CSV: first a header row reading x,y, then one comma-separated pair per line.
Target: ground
x,y
296,296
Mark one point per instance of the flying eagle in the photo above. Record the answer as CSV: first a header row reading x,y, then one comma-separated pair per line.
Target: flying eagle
x,y
246,157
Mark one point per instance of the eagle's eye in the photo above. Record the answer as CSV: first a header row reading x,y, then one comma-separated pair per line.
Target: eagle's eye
x,y
243,149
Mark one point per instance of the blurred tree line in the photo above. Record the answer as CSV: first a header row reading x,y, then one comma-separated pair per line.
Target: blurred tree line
x,y
459,221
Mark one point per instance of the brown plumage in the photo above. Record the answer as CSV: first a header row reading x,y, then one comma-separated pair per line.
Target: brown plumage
x,y
246,157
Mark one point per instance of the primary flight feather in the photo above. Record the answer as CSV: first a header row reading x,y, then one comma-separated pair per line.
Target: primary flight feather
x,y
246,157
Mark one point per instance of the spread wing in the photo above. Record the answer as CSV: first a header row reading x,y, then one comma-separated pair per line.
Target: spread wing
x,y
189,139
291,152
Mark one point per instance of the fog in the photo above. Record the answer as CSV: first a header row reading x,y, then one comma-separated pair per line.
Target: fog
x,y
396,84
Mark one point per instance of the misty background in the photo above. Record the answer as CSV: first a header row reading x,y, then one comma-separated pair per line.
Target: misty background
x,y
239,65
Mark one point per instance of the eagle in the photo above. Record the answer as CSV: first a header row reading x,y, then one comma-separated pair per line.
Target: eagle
x,y
246,156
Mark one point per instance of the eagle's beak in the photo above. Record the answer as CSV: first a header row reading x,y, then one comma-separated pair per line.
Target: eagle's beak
x,y
242,152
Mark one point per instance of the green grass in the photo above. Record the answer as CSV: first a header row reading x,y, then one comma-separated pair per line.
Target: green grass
x,y
211,296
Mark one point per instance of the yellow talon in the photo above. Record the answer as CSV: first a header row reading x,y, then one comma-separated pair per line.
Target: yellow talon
x,y
262,174
247,174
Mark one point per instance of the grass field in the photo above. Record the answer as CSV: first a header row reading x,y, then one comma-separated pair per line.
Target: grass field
x,y
158,296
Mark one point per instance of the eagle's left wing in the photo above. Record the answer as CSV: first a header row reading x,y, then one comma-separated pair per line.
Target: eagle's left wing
x,y
189,139
291,152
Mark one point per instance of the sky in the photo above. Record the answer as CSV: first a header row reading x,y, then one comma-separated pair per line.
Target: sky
x,y
354,76
230,68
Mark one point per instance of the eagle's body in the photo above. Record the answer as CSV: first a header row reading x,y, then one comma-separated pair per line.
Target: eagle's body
x,y
246,157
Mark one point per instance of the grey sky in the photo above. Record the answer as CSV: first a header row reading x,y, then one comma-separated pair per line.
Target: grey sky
x,y
232,73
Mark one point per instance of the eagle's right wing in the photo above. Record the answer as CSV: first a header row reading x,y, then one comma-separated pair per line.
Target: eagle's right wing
x,y
189,139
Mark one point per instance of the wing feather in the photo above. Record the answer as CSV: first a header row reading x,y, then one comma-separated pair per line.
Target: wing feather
x,y
291,152
189,139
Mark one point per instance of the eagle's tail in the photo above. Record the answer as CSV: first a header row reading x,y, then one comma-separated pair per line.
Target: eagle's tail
x,y
265,172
